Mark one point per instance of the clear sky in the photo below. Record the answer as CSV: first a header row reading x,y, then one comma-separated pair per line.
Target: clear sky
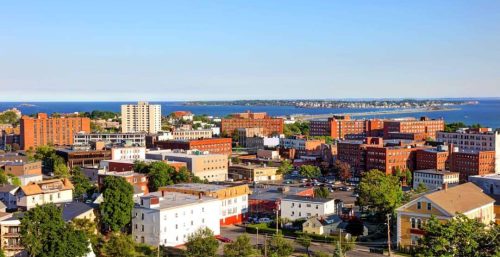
x,y
213,50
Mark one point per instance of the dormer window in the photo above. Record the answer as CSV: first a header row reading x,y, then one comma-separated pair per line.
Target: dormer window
x,y
429,206
419,205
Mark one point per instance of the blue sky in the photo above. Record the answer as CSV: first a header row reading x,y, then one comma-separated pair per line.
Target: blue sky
x,y
213,50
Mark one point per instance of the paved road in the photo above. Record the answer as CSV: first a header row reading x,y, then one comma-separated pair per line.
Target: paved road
x,y
233,232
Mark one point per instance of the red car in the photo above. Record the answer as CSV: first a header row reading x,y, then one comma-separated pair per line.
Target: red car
x,y
223,239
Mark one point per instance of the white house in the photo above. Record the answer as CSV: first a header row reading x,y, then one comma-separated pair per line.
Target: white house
x,y
42,192
168,218
302,207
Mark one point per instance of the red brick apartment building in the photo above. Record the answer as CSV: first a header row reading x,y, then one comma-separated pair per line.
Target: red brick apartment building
x,y
212,145
339,127
423,125
472,163
376,153
44,130
435,159
248,119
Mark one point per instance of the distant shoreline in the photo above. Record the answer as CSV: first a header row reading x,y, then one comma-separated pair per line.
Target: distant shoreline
x,y
372,113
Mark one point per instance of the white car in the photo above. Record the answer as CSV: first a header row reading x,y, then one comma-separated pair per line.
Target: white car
x,y
264,220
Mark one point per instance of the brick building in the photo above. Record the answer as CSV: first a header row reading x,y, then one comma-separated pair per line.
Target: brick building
x,y
212,145
339,127
248,119
472,163
433,158
423,125
44,130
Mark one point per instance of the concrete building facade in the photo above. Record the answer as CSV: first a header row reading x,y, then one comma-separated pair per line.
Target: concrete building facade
x,y
141,117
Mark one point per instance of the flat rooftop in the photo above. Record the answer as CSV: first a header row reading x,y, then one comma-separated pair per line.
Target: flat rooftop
x,y
201,187
192,154
307,199
440,172
487,176
172,200
273,193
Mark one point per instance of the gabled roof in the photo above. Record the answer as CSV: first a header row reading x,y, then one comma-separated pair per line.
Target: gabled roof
x,y
74,209
459,199
35,188
7,188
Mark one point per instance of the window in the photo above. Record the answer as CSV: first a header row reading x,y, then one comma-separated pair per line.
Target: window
x,y
142,228
142,216
429,206
412,220
419,223
419,205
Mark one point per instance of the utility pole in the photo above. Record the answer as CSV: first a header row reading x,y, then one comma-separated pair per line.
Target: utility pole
x,y
277,220
257,235
265,245
340,243
389,233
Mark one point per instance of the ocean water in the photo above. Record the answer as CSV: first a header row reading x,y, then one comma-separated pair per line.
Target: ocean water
x,y
487,112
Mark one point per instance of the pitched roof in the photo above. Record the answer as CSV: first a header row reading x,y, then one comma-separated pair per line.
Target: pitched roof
x,y
7,188
459,199
74,209
35,188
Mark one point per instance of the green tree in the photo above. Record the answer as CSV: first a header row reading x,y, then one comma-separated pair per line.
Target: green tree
x,y
305,241
82,185
242,247
59,167
285,167
14,180
159,175
44,233
310,171
408,177
321,192
279,246
118,202
141,166
202,243
380,192
9,117
421,188
4,179
181,176
119,244
460,236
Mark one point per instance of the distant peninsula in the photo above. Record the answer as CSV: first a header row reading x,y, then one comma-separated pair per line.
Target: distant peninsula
x,y
360,104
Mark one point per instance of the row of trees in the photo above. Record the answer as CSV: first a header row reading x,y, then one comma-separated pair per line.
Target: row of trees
x,y
161,174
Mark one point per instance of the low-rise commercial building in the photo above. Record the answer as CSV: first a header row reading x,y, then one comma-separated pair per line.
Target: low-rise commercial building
x,y
212,167
128,153
434,179
23,168
299,207
265,199
234,198
169,218
211,145
254,173
83,157
467,199
137,139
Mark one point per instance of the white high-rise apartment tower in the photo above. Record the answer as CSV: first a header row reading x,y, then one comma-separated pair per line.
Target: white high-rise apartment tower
x,y
142,117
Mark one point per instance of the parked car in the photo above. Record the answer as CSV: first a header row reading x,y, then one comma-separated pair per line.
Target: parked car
x,y
223,239
264,220
287,182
